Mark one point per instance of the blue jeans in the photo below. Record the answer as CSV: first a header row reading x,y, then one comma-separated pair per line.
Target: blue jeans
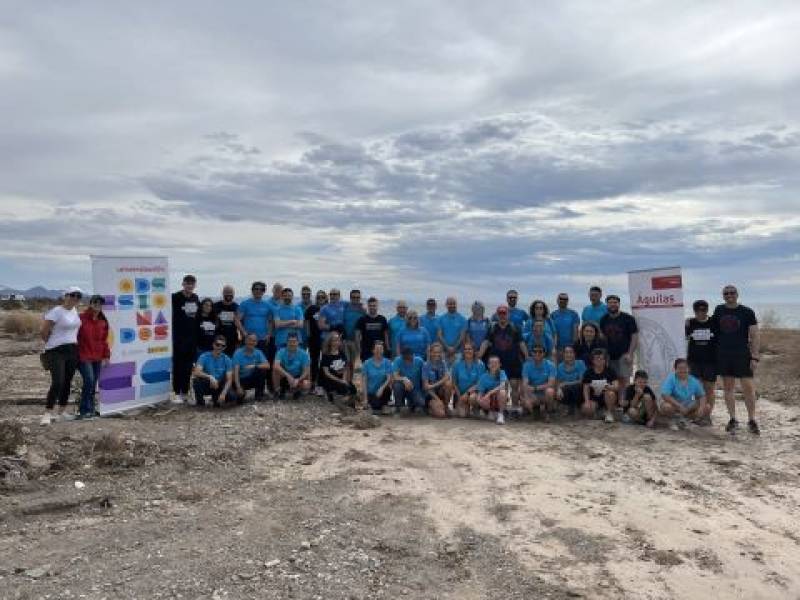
x,y
90,371
402,397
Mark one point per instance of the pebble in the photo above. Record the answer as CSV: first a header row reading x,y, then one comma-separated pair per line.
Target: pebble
x,y
272,563
37,572
305,545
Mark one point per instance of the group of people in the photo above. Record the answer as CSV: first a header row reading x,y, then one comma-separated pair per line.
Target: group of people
x,y
513,363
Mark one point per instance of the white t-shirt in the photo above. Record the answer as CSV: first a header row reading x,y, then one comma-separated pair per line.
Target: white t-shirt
x,y
65,327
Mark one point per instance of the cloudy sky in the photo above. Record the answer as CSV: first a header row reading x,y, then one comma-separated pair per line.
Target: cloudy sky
x,y
410,148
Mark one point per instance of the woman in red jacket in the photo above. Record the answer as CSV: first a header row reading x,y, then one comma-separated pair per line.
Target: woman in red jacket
x,y
93,351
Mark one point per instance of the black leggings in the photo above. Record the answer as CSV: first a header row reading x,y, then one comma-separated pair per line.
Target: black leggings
x,y
314,351
62,361
182,363
337,387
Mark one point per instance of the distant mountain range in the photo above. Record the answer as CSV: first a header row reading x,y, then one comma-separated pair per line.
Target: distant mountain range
x,y
34,292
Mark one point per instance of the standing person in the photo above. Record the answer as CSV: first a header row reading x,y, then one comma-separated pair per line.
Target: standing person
x,y
596,309
590,338
413,336
287,318
538,383
314,337
273,303
396,324
738,351
253,316
226,311
305,298
600,387
465,375
566,322
60,335
430,320
702,352
206,326
370,328
331,316
376,379
492,387
505,342
185,305
292,369
213,375
407,381
93,353
353,311
568,379
622,334
335,376
452,329
250,368
436,382
518,316
682,396
477,328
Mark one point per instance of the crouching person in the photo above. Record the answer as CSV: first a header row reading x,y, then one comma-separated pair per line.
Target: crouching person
x,y
437,383
492,390
407,382
538,383
682,397
249,369
376,379
213,375
292,369
640,401
599,387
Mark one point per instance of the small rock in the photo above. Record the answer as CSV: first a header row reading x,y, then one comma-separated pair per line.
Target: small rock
x,y
37,572
305,545
272,563
79,485
246,575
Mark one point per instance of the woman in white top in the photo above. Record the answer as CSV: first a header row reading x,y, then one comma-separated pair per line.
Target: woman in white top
x,y
60,335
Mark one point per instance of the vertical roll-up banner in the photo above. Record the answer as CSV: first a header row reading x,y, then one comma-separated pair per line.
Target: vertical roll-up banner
x,y
138,306
657,306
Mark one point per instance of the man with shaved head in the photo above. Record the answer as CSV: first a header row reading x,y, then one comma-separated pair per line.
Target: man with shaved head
x,y
226,310
452,329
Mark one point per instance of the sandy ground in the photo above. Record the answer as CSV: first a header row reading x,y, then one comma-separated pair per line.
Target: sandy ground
x,y
299,500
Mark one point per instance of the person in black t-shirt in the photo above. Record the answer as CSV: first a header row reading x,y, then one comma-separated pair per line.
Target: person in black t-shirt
x,y
640,401
738,343
185,305
334,375
622,335
589,338
226,310
206,326
370,328
504,340
600,387
701,351
313,335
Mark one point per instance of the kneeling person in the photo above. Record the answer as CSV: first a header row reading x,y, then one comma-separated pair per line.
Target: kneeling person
x,y
436,382
213,375
568,379
249,369
335,365
407,381
538,383
682,396
640,400
292,369
466,374
600,387
492,390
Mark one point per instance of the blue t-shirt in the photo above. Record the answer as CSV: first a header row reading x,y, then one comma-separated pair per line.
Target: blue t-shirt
x,y
431,325
352,313
465,376
376,374
538,374
293,363
565,322
285,312
478,331
255,316
434,371
573,375
396,325
411,370
215,366
488,381
451,326
248,362
546,340
416,339
594,313
685,393
334,316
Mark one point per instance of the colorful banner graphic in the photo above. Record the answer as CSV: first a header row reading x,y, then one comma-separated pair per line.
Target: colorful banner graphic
x,y
657,305
138,309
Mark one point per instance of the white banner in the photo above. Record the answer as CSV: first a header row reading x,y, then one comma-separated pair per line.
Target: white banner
x,y
657,305
138,306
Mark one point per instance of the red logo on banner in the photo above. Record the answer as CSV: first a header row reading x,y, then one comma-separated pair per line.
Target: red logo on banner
x,y
666,282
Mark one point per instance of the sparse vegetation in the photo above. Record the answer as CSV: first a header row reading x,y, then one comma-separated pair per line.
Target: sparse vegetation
x,y
770,319
12,437
22,323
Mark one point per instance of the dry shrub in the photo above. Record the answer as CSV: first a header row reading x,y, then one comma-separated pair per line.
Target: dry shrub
x,y
22,323
12,437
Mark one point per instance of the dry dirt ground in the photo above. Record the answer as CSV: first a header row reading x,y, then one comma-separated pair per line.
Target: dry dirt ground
x,y
301,500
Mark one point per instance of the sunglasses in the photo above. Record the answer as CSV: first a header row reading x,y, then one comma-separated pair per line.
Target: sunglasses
x,y
77,295
729,293
512,297
259,289
219,345
306,293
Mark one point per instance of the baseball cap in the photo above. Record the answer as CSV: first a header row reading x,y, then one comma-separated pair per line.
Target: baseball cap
x,y
73,289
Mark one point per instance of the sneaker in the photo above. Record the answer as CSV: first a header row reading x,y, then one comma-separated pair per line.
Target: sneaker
x,y
609,417
752,426
296,395
178,399
281,395
626,418
673,425
703,422
47,419
318,391
732,425
500,419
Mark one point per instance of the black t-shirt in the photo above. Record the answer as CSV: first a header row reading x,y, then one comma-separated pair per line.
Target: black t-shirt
x,y
184,323
372,329
206,332
630,392
226,314
702,343
731,326
608,375
583,351
618,331
312,315
504,342
336,363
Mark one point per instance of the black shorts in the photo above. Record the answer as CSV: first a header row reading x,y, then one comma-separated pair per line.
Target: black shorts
x,y
734,365
513,370
704,371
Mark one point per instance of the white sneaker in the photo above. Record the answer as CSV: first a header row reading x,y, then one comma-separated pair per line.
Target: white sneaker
x,y
47,419
673,425
318,391
177,399
609,417
501,420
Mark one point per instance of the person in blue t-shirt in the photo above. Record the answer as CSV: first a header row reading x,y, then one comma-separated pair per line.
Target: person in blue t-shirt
x,y
465,375
538,383
249,369
253,315
452,329
596,309
331,316
376,379
682,395
292,369
566,322
407,382
436,382
569,374
542,337
540,311
287,318
478,327
396,324
353,311
213,375
492,390
518,316
413,336
430,320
